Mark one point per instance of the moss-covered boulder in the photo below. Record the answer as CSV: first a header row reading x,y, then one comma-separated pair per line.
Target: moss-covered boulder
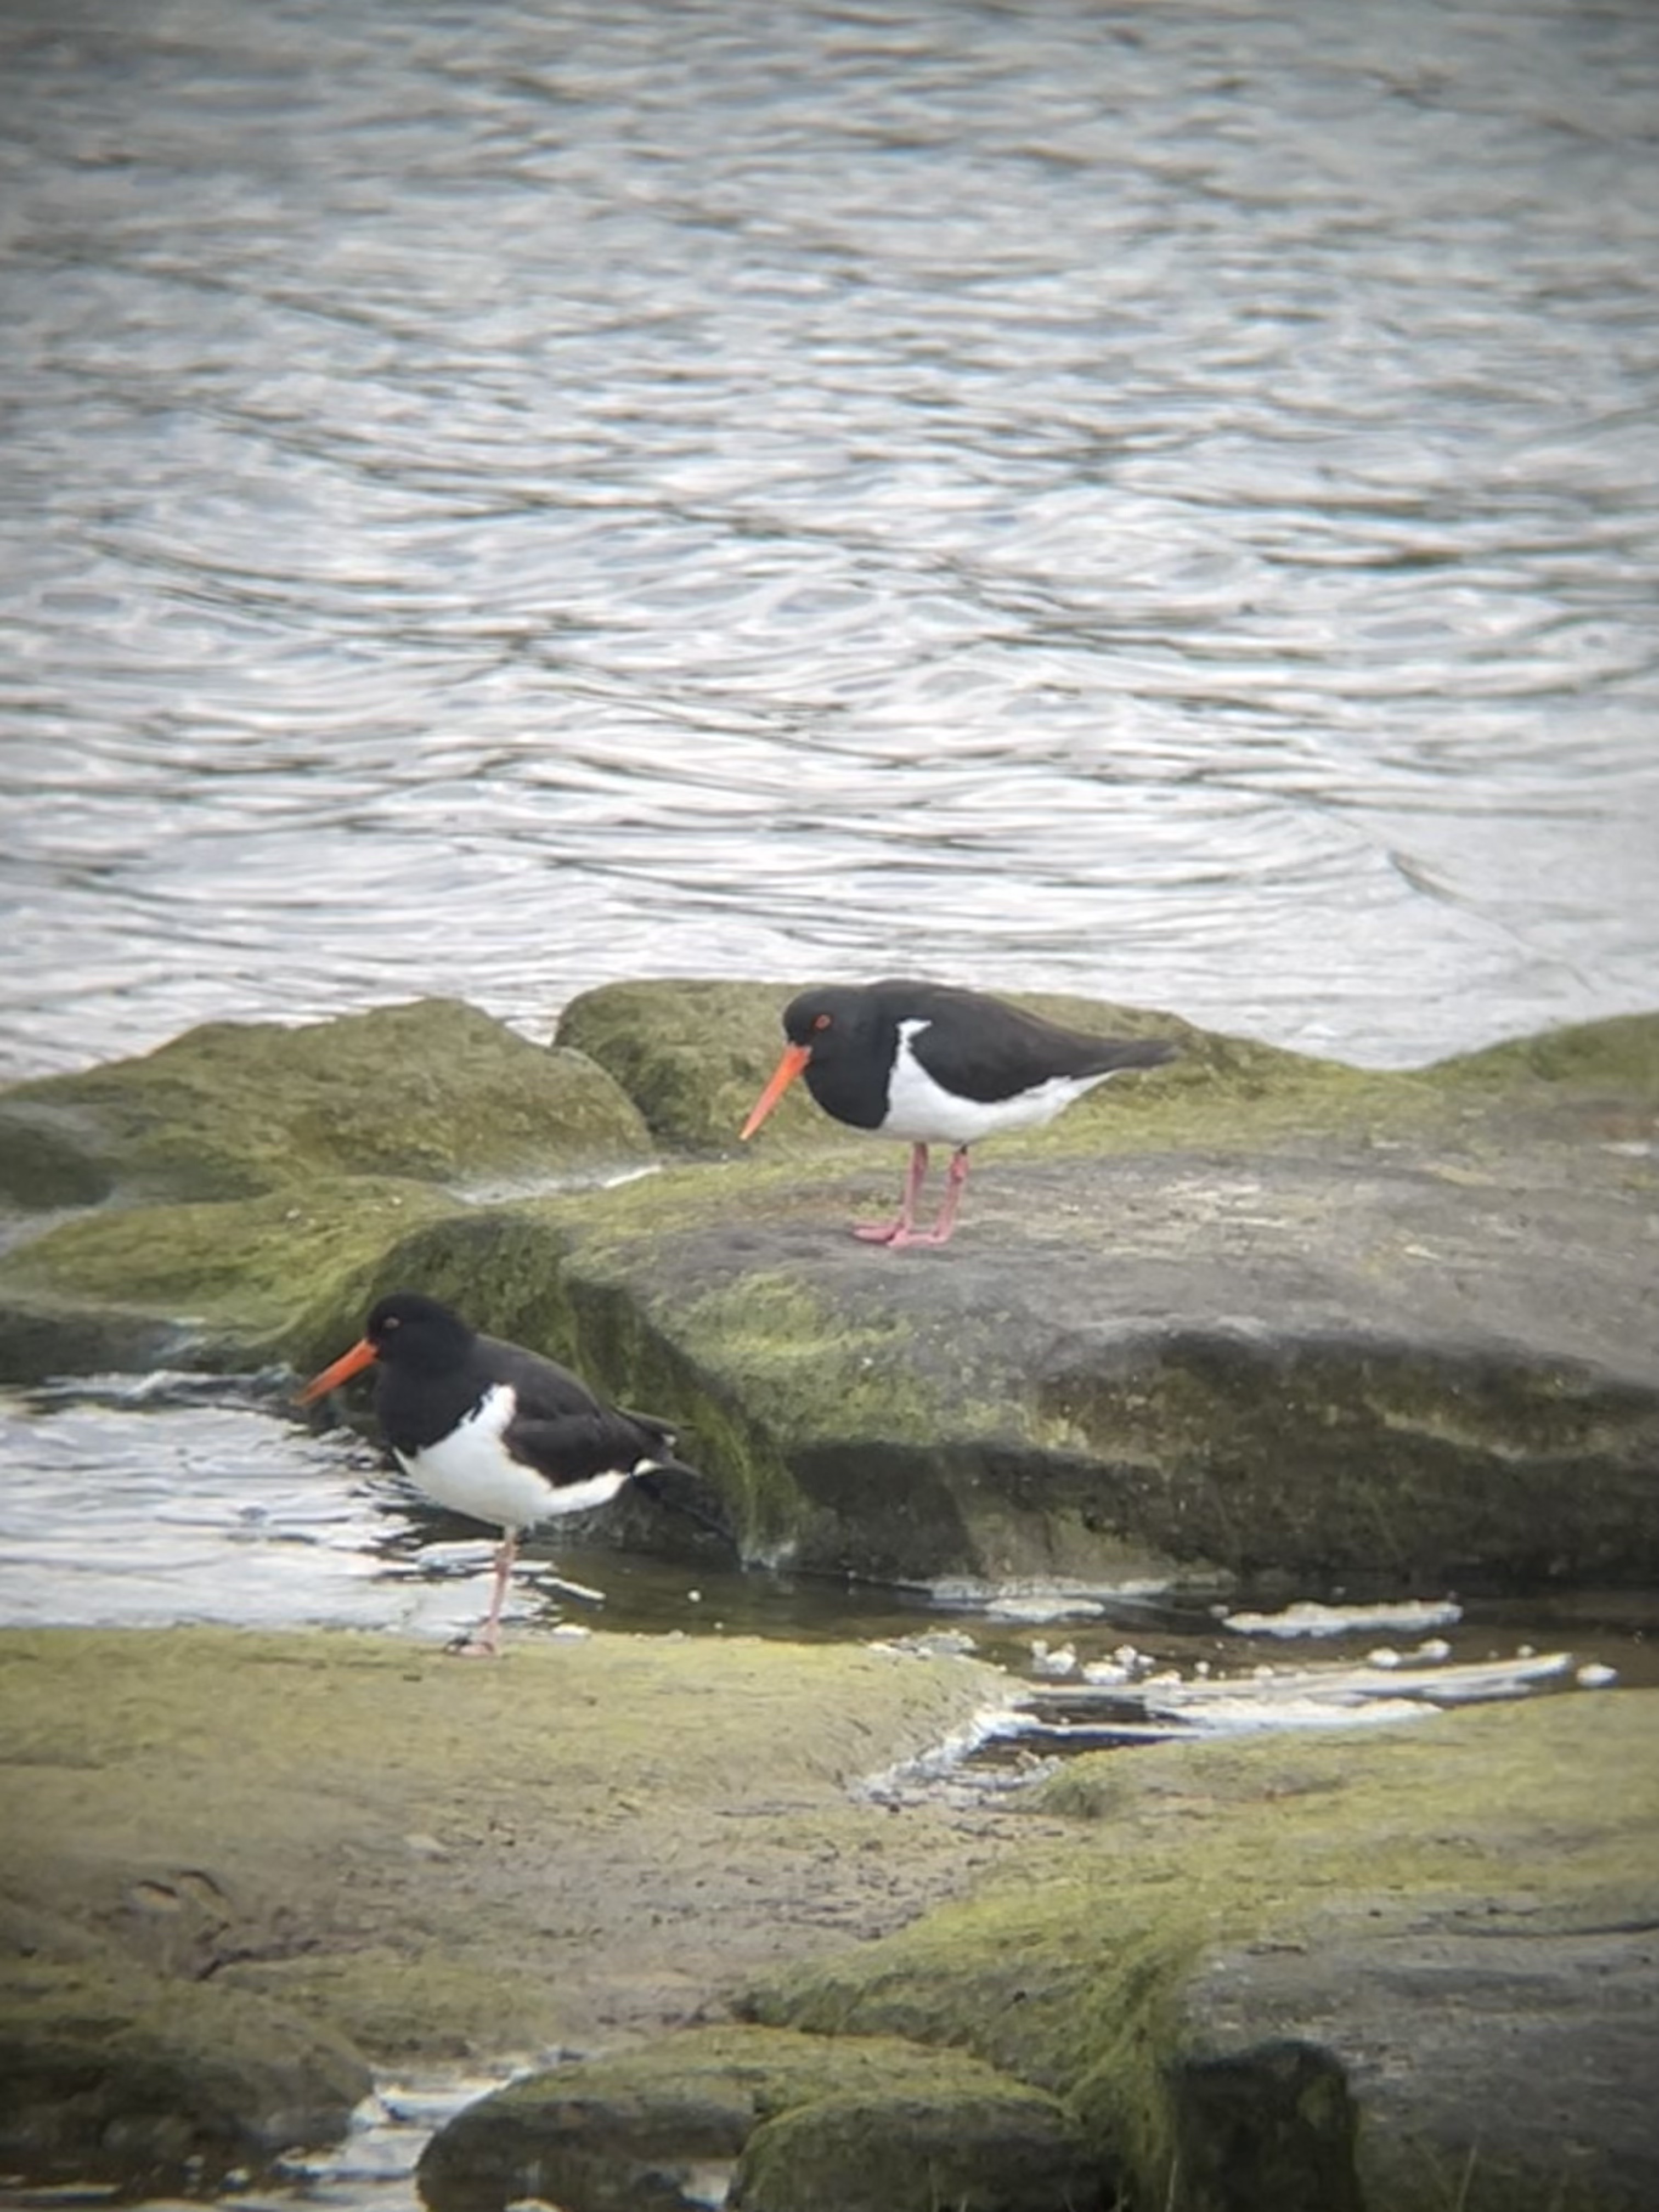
x,y
150,2085
1251,1313
1319,1975
228,1285
433,1092
806,2123
984,2144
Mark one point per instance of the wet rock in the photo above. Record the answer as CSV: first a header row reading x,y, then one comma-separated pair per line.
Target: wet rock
x,y
1425,1357
433,1091
1252,1313
991,2145
108,2076
45,1165
1312,1976
690,1053
803,2123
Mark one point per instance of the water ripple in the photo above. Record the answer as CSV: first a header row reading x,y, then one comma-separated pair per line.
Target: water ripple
x,y
1161,508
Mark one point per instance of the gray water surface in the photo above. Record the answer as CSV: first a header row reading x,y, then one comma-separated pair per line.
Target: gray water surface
x,y
1161,502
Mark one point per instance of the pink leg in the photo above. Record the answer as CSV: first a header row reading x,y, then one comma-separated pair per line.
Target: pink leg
x,y
954,1183
487,1643
900,1231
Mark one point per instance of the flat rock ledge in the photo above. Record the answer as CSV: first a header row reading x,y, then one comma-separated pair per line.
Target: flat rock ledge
x,y
1249,1314
1384,1972
240,1870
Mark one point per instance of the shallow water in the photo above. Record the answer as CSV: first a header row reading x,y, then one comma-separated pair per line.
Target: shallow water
x,y
1160,503
145,1501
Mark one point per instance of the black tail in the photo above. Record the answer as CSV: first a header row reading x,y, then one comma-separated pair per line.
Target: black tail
x,y
1137,1052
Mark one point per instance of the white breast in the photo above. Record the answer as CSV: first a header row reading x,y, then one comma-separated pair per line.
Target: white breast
x,y
917,1108
470,1472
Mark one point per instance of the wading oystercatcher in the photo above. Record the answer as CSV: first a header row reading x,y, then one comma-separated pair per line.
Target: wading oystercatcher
x,y
493,1431
938,1065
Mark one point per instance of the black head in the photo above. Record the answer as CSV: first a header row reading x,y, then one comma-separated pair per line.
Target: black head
x,y
832,1017
842,1038
410,1330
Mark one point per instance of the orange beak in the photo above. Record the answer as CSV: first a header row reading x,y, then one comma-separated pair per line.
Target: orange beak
x,y
361,1354
795,1057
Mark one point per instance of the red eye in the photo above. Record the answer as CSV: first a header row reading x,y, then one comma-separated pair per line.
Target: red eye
x,y
821,1021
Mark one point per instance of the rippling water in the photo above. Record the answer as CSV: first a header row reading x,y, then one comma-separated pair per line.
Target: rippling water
x,y
1159,502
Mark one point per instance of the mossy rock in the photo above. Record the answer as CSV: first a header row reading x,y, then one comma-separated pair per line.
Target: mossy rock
x,y
579,1842
433,1091
1319,1973
229,1284
45,1166
691,1054
813,2123
694,1054
1256,1314
150,2085
989,2145
1620,1055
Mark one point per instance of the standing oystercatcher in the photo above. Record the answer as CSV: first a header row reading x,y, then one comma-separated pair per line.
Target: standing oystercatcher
x,y
938,1065
493,1432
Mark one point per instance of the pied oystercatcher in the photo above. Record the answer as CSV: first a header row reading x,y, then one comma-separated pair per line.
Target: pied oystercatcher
x,y
938,1065
492,1431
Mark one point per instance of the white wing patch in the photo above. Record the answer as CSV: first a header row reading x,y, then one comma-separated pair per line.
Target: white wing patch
x,y
918,1108
471,1472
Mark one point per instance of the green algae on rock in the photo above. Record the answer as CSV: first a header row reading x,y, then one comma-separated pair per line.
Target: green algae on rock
x,y
440,1860
1259,1313
433,1091
218,1285
812,2122
690,1053
984,2145
1620,1055
1298,1930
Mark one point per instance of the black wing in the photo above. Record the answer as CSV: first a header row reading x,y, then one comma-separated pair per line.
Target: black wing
x,y
985,1049
545,1390
561,1427
579,1445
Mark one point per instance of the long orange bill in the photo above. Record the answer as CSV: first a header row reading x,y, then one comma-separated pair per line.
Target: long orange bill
x,y
361,1354
795,1057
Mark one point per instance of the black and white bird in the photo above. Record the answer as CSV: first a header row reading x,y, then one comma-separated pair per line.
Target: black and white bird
x,y
936,1065
493,1432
